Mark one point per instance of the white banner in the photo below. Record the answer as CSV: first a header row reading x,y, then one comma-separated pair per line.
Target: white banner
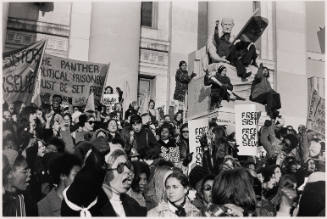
x,y
109,99
246,126
196,129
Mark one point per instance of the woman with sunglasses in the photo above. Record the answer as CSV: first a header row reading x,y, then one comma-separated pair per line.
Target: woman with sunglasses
x,y
85,128
183,144
177,202
206,189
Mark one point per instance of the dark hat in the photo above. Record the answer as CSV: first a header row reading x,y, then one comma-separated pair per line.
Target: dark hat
x,y
197,174
82,148
312,202
87,184
221,68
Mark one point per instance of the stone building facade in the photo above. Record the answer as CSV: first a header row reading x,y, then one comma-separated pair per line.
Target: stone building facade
x,y
144,41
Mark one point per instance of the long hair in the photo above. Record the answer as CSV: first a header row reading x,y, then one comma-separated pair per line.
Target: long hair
x,y
157,182
139,168
234,186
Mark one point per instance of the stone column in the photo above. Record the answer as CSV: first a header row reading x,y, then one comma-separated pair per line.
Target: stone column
x,y
291,61
80,24
184,38
115,38
5,9
267,37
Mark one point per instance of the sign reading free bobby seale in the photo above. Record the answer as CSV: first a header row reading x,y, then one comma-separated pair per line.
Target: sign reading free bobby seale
x,y
72,78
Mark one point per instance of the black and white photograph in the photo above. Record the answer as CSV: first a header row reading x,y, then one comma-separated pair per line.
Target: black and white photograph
x,y
163,108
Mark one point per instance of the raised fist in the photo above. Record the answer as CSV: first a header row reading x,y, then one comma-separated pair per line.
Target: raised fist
x,y
203,140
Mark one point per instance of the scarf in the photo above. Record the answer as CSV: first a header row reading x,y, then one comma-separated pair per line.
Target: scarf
x,y
180,212
84,212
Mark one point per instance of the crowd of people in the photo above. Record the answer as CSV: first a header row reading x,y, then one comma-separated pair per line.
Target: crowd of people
x,y
61,160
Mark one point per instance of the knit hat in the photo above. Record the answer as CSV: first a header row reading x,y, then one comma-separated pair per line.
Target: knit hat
x,y
221,68
81,195
82,148
197,174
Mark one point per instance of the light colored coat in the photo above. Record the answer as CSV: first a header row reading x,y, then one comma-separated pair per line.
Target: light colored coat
x,y
164,209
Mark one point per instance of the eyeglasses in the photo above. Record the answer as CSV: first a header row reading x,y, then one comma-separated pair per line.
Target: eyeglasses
x,y
120,167
207,188
185,131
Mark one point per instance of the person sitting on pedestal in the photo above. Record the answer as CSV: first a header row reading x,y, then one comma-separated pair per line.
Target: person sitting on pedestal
x,y
220,84
242,54
261,92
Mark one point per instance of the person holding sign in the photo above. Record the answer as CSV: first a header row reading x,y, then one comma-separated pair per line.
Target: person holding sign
x,y
220,84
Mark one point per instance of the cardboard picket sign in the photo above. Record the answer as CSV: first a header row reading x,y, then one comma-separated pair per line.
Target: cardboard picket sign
x,y
253,29
196,129
109,99
246,132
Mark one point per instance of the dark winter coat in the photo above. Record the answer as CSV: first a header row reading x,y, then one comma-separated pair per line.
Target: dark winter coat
x,y
11,204
260,85
146,144
217,90
182,79
131,207
103,207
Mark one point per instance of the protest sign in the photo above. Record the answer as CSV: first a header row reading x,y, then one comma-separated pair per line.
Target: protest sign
x,y
246,132
197,128
110,99
316,114
72,78
19,72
